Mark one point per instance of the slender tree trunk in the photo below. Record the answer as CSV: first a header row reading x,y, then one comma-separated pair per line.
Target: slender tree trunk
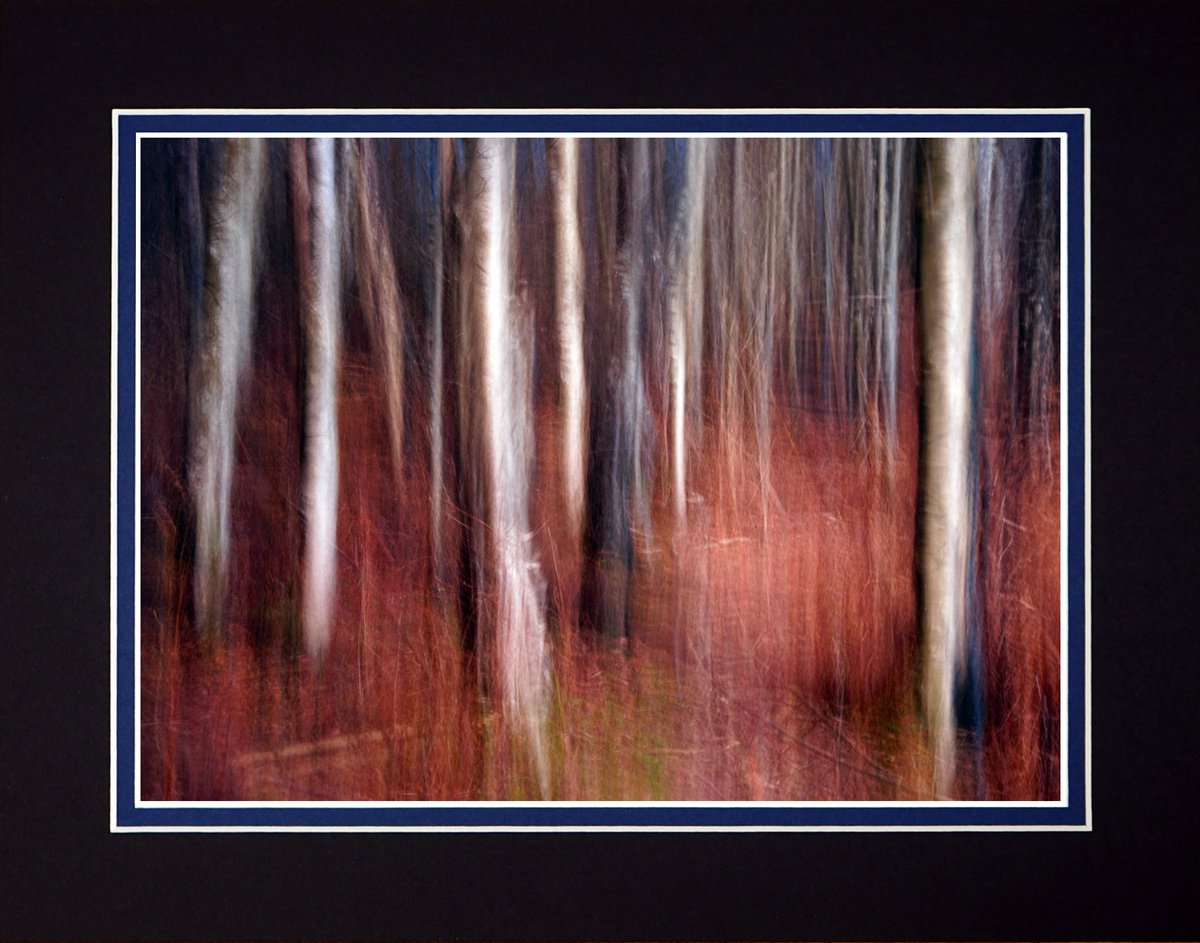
x,y
764,316
313,169
443,172
632,409
192,231
733,318
890,254
569,298
611,470
381,297
686,313
947,284
223,354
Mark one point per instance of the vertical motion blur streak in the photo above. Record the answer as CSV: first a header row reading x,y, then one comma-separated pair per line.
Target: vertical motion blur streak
x,y
222,355
948,283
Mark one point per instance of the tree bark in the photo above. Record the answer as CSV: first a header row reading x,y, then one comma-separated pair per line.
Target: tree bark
x,y
494,373
314,172
223,354
381,297
687,314
569,300
947,293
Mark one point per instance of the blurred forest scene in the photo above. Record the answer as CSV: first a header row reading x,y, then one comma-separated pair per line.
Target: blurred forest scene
x,y
702,469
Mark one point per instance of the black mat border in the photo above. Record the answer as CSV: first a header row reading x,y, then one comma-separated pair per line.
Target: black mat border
x,y
64,67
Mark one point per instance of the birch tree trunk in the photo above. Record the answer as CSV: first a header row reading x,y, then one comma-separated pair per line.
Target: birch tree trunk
x,y
947,286
890,275
687,314
494,374
569,301
313,169
222,356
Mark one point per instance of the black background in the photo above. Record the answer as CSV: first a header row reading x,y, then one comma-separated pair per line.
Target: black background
x,y
63,876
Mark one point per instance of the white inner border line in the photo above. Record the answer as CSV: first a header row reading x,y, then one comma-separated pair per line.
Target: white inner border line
x,y
114,420
1064,428
1087,465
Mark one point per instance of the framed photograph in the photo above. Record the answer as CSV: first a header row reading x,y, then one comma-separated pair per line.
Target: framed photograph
x,y
600,470
563,472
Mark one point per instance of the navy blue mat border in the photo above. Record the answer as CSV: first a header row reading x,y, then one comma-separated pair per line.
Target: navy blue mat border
x,y
127,815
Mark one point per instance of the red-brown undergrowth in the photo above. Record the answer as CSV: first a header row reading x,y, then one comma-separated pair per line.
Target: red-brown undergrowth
x,y
772,653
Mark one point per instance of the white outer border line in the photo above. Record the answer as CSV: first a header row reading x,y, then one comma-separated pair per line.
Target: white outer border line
x,y
571,829
1062,802
658,112
113,464
1087,465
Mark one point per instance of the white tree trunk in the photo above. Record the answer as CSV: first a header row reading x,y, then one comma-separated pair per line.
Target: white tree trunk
x,y
890,260
687,317
569,298
686,312
222,356
947,284
498,417
322,336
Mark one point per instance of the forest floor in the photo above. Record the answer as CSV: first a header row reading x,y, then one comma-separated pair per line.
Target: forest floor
x,y
772,652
